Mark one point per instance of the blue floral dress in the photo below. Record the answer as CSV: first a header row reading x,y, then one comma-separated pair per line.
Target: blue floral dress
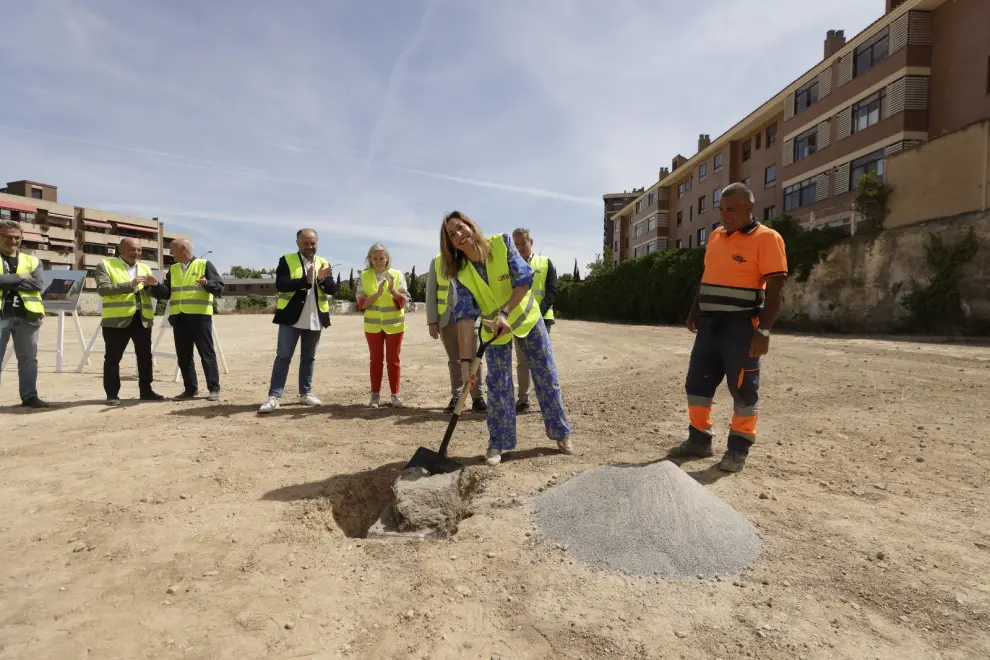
x,y
535,346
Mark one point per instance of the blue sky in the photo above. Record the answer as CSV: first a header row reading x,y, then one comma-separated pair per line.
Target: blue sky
x,y
239,121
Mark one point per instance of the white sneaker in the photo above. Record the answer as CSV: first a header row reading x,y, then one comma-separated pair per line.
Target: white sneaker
x,y
493,457
565,446
396,401
375,401
309,400
269,406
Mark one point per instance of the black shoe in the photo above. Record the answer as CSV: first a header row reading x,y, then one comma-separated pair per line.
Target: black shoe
x,y
522,406
152,396
732,461
35,402
450,406
186,396
479,406
692,448
113,401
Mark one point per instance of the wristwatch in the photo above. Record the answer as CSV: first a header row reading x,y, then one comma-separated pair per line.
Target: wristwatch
x,y
764,332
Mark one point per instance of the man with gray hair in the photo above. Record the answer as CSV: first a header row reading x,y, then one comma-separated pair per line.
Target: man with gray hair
x,y
544,290
190,286
21,310
736,306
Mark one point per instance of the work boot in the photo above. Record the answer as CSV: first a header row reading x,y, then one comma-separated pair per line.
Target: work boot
x,y
479,406
152,395
35,402
185,396
733,460
692,448
522,406
450,406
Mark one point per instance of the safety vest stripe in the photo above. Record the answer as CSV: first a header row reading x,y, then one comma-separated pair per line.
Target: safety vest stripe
x,y
186,288
125,303
530,301
731,292
539,292
718,307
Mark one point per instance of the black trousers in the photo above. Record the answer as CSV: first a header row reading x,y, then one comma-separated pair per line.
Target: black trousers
x,y
721,352
116,340
195,330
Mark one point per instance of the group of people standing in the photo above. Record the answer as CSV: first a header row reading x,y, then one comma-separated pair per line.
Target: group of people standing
x,y
495,281
477,285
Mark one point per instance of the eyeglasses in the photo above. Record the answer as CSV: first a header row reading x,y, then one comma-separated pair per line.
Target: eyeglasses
x,y
12,237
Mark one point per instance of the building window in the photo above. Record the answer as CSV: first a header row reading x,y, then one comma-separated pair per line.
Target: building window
x,y
770,177
701,204
771,134
806,96
689,241
653,198
680,244
638,252
680,190
716,197
680,218
769,213
872,52
702,171
718,156
690,214
805,144
651,247
867,112
639,206
746,150
988,74
868,163
651,224
35,192
800,194
638,230
702,236
758,139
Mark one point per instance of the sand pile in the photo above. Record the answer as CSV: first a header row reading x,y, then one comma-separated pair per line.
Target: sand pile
x,y
652,521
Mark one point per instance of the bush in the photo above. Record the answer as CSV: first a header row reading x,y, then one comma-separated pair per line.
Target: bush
x,y
805,248
937,305
657,288
252,302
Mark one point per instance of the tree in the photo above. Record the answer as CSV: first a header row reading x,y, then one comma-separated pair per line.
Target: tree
x,y
871,200
602,265
577,273
241,272
413,283
338,280
350,280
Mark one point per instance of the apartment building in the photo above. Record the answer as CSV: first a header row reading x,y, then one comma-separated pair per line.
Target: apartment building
x,y
613,203
919,71
68,237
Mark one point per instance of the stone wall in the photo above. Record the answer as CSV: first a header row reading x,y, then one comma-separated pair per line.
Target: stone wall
x,y
860,285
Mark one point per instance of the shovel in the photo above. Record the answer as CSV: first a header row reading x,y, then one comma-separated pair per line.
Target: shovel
x,y
436,462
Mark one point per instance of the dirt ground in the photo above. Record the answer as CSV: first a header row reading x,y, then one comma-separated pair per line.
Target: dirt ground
x,y
192,530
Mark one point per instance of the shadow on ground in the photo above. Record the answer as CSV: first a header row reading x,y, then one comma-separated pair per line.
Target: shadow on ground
x,y
400,416
706,477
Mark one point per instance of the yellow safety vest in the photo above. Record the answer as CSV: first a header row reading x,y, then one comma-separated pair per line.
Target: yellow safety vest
x,y
382,316
493,296
27,264
541,266
295,272
187,296
123,305
443,285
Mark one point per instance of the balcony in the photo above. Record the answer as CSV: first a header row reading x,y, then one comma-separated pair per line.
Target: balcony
x,y
93,260
147,245
62,233
96,238
53,257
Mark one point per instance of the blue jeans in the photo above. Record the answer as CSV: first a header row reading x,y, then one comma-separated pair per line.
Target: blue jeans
x,y
25,350
288,337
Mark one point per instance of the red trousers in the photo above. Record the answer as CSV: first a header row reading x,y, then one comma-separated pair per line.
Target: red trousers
x,y
384,347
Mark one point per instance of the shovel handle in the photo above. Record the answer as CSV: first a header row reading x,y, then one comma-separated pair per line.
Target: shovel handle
x,y
465,388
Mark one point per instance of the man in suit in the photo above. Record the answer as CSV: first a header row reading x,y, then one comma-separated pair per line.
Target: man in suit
x,y
124,285
21,310
189,286
544,290
305,283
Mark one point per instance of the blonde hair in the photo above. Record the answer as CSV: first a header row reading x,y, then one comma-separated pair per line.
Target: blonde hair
x,y
378,247
453,258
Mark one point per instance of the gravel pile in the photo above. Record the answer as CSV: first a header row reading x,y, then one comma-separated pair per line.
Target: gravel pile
x,y
652,521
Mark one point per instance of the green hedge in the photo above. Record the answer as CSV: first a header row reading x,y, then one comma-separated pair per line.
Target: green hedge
x,y
657,288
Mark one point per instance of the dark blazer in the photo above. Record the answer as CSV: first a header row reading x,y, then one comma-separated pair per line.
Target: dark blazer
x,y
299,288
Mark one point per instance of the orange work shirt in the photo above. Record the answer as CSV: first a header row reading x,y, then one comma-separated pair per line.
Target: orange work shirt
x,y
737,267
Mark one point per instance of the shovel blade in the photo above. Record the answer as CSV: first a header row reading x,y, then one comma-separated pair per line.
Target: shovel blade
x,y
433,462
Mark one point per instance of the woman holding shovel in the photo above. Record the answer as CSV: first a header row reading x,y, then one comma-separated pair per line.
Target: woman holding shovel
x,y
382,295
493,282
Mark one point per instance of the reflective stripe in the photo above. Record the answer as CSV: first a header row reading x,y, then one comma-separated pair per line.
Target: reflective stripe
x,y
539,292
700,401
117,304
715,298
747,411
743,294
713,307
441,288
522,317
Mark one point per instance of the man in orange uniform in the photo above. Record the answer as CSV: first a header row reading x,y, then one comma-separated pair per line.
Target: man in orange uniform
x,y
736,306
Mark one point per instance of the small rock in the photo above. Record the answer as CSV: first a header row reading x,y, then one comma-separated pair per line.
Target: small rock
x,y
289,625
680,634
491,555
786,583
184,496
173,589
881,556
920,460
764,496
462,590
903,619
79,547
410,614
211,573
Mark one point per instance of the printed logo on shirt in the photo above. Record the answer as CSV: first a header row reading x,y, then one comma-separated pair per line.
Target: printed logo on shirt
x,y
502,278
738,257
